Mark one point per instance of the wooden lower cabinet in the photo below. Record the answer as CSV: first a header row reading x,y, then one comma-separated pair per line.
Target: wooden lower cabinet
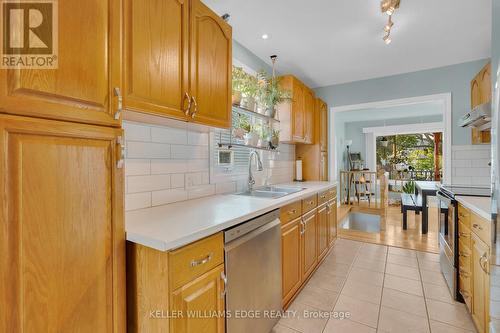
x,y
309,243
291,249
200,304
62,234
480,283
323,229
332,221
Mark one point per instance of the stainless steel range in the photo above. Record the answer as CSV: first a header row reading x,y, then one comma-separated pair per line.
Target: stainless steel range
x,y
448,230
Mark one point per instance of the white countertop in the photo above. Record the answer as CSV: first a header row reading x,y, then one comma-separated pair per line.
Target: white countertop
x,y
479,205
170,226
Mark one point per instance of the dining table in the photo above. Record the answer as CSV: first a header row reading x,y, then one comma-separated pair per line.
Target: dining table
x,y
425,189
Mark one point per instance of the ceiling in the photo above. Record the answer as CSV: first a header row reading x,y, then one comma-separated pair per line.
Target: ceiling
x,y
326,42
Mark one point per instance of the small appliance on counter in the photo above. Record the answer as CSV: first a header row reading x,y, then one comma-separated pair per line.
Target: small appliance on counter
x,y
448,230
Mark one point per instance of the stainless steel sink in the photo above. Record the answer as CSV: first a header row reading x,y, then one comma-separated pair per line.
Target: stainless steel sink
x,y
271,191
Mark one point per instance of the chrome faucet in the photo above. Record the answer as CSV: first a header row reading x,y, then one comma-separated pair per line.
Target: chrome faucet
x,y
251,180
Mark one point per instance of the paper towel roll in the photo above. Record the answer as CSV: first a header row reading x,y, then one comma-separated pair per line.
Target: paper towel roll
x,y
298,170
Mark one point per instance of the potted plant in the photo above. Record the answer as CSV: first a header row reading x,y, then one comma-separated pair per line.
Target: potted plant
x,y
238,80
270,94
241,127
248,92
275,139
252,137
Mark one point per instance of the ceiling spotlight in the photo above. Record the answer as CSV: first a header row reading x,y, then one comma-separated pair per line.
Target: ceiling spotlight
x,y
387,39
265,36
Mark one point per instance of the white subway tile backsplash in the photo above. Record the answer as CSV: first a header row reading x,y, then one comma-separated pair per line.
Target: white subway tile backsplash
x,y
168,196
147,150
136,167
177,180
169,135
170,164
470,165
147,183
137,200
165,166
137,132
189,152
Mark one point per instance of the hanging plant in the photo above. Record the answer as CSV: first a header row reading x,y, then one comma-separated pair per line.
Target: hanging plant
x,y
270,93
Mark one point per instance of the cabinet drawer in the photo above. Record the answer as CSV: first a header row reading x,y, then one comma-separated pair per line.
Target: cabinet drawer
x,y
309,203
464,215
195,259
290,212
463,236
323,197
481,227
333,192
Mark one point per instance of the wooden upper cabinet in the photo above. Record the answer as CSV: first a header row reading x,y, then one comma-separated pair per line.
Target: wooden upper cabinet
x,y
309,115
156,57
481,91
293,114
62,238
211,67
81,89
322,125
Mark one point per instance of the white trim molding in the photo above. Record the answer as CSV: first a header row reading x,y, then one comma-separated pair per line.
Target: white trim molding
x,y
446,128
406,129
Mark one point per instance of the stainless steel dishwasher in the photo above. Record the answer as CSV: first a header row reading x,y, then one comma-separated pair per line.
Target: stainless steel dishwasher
x,y
253,270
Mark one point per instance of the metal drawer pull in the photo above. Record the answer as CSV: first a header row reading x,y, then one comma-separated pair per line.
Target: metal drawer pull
x,y
188,108
477,226
311,202
323,196
463,234
195,107
224,281
463,254
293,211
203,261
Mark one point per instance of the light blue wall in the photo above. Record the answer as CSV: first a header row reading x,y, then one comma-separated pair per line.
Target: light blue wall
x,y
354,130
248,58
495,65
455,79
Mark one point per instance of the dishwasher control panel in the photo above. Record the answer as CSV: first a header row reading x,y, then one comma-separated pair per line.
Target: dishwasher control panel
x,y
246,227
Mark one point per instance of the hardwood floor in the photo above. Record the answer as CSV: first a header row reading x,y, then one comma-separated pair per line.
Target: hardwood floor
x,y
394,235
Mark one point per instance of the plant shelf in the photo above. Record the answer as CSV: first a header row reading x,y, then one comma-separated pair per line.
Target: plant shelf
x,y
239,109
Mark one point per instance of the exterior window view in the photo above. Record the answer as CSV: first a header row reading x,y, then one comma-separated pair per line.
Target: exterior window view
x,y
230,166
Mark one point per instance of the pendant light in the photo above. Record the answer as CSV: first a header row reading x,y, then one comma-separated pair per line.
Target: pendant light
x,y
384,142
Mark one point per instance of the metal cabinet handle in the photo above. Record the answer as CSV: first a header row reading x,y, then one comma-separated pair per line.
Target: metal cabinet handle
x,y
203,261
291,212
224,281
188,108
302,227
121,152
311,202
193,99
463,234
477,226
119,106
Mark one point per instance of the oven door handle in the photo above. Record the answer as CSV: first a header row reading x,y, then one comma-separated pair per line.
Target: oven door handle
x,y
446,200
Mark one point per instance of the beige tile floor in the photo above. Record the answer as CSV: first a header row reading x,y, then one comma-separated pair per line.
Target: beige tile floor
x,y
384,289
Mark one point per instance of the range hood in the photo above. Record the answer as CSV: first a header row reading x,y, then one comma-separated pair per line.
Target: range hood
x,y
479,117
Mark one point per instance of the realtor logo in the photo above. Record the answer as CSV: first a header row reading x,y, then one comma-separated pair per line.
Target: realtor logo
x,y
29,33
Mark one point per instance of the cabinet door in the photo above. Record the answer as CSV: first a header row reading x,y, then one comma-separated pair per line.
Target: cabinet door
x,y
290,251
480,283
323,228
211,67
81,88
298,112
309,244
309,113
323,126
156,57
323,166
62,237
332,221
203,297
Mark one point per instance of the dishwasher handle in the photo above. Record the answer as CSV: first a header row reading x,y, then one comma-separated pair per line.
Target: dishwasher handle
x,y
255,233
